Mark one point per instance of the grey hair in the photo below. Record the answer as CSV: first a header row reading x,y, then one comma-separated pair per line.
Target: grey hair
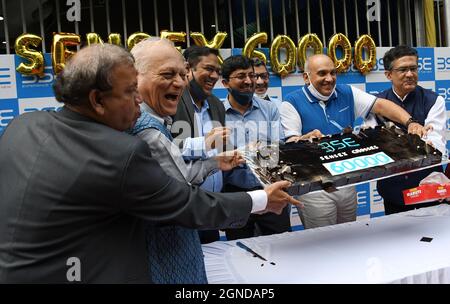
x,y
87,70
142,52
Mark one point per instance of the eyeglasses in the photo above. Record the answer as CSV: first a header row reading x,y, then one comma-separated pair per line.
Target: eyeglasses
x,y
211,70
243,76
263,76
404,70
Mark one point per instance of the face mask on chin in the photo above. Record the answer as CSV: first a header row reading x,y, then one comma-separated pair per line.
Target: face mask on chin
x,y
196,90
242,98
312,89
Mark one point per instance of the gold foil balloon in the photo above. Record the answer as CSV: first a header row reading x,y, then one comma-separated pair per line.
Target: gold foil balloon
x,y
340,40
60,53
36,65
215,43
365,66
283,69
250,45
174,37
114,38
135,38
93,38
309,40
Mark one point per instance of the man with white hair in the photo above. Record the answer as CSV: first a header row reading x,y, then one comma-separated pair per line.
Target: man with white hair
x,y
323,107
175,254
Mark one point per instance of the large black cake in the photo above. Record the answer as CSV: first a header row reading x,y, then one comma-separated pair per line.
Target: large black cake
x,y
343,159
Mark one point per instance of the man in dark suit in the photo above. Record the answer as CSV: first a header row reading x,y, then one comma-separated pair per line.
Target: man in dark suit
x,y
75,188
201,118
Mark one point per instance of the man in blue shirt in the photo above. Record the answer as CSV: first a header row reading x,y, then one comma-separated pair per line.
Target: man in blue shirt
x,y
425,106
262,77
250,119
322,107
200,118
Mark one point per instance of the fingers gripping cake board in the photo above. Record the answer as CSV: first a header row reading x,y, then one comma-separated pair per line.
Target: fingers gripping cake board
x,y
344,159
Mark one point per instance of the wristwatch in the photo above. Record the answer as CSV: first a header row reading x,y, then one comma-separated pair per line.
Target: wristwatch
x,y
409,121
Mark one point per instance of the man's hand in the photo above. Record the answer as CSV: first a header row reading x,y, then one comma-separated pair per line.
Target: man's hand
x,y
229,159
217,137
416,128
277,198
308,136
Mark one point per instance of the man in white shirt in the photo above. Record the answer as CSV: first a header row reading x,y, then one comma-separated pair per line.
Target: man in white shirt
x,y
322,107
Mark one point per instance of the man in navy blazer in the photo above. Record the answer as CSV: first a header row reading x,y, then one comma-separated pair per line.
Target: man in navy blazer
x,y
425,107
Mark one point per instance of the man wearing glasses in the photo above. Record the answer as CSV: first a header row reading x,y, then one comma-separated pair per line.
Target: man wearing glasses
x,y
262,82
250,119
425,107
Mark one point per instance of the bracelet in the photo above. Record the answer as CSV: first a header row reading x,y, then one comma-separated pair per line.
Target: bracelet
x,y
410,121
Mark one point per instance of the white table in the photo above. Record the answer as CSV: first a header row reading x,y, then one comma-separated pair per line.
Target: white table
x,y
380,250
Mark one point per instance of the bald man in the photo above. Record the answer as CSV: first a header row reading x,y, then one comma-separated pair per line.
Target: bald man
x,y
323,107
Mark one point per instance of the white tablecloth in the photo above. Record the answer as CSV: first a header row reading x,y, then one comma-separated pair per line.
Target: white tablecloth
x,y
380,250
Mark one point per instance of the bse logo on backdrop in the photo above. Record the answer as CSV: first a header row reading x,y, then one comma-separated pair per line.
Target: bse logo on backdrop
x,y
8,110
442,63
38,104
426,64
376,201
443,89
7,77
377,73
363,199
29,86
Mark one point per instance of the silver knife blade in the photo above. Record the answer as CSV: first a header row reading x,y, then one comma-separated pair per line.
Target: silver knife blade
x,y
245,247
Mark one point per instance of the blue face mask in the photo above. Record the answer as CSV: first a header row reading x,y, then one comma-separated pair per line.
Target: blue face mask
x,y
242,98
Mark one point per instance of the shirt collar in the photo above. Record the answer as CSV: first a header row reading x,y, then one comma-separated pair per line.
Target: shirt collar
x,y
204,107
264,97
166,120
255,104
398,96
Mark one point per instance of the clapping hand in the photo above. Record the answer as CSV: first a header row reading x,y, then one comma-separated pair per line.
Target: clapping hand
x,y
217,137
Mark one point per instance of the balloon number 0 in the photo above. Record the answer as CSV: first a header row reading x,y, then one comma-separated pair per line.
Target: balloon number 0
x,y
358,163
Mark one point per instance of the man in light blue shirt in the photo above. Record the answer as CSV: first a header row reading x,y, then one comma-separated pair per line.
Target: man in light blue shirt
x,y
251,120
262,78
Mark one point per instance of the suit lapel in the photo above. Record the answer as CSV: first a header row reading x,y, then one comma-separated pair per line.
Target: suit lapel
x,y
214,110
187,100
